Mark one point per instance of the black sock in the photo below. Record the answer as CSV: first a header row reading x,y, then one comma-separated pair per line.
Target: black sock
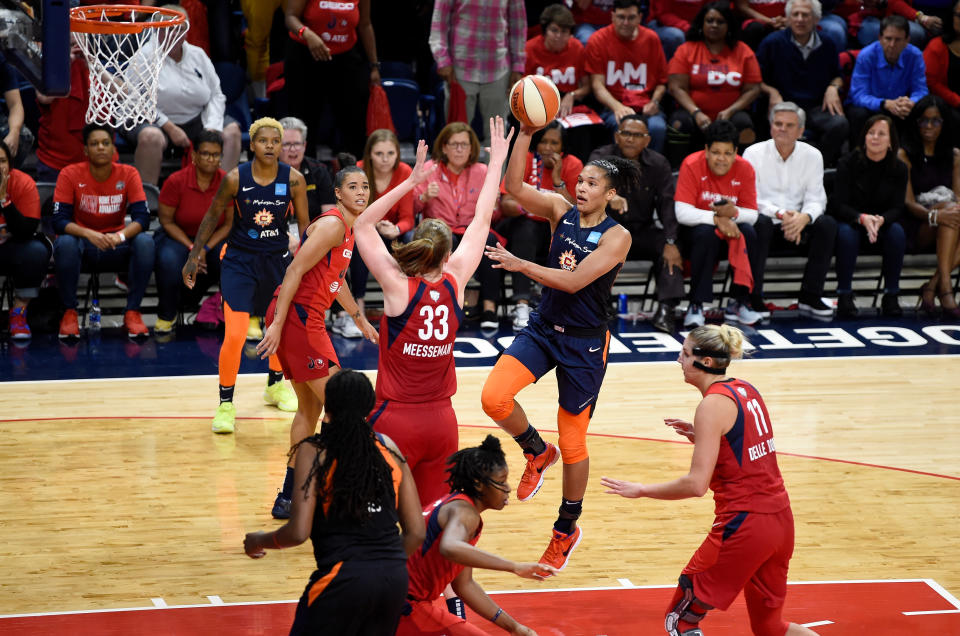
x,y
273,377
226,394
530,441
569,512
287,491
455,607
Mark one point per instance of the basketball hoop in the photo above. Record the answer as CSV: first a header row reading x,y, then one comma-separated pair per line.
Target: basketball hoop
x,y
125,47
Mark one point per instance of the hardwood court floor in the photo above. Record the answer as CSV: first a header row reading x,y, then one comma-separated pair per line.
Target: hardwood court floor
x,y
114,492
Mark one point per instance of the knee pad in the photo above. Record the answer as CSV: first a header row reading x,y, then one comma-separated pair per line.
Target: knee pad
x,y
504,382
573,435
684,609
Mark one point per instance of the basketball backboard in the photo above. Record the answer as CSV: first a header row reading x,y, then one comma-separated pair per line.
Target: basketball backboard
x,y
35,38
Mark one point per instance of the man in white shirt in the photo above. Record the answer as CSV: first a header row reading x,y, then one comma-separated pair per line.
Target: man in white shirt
x,y
189,100
791,201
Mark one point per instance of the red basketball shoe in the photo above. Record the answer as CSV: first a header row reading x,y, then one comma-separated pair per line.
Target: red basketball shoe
x,y
561,547
532,477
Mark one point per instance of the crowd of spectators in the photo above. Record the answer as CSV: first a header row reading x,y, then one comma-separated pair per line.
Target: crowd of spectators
x,y
737,112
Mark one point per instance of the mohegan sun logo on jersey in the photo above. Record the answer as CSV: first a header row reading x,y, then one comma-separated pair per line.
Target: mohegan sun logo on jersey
x,y
568,261
263,218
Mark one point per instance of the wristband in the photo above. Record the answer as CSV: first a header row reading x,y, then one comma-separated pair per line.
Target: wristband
x,y
860,219
497,615
206,248
932,217
562,184
300,31
694,113
123,237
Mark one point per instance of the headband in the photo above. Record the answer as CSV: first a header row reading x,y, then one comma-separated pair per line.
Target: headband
x,y
701,352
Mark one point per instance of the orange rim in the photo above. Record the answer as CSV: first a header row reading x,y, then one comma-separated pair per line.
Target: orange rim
x,y
99,18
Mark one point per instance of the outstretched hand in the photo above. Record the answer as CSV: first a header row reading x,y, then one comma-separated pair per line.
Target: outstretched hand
x,y
535,571
420,174
499,143
681,427
628,489
502,258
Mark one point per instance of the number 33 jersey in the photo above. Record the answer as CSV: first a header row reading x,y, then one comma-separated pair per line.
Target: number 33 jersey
x,y
416,347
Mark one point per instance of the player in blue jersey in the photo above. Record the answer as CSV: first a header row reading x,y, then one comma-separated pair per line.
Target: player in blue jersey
x,y
255,257
567,332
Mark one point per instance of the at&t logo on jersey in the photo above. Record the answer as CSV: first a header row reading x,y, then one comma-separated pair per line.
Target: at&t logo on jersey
x,y
568,261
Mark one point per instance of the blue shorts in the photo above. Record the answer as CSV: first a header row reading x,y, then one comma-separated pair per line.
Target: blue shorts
x,y
248,279
580,360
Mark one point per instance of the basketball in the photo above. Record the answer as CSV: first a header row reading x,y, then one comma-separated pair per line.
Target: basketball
x,y
534,100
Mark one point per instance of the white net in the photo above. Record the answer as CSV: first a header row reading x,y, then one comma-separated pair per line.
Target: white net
x,y
125,67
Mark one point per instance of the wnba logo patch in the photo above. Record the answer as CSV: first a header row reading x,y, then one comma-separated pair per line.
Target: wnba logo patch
x,y
434,295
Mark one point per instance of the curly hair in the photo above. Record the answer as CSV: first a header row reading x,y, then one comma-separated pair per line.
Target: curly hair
x,y
350,471
469,468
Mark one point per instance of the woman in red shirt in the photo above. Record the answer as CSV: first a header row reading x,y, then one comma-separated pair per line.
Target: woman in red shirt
x,y
751,541
712,76
23,254
381,162
332,44
184,199
550,169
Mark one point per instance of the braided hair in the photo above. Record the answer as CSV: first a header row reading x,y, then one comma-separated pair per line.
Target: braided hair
x,y
472,467
360,474
623,175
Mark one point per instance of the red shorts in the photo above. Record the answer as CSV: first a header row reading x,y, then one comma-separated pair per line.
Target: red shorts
x,y
433,618
426,434
305,351
756,551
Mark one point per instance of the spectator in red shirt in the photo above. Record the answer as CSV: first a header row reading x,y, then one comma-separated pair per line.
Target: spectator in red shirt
x,y
942,59
384,170
628,72
60,136
760,17
89,206
184,199
712,76
716,204
549,169
591,16
864,17
670,20
24,255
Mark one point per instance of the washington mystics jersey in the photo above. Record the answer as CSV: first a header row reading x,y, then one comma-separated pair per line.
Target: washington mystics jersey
x,y
746,477
260,211
416,347
429,571
375,539
320,285
568,247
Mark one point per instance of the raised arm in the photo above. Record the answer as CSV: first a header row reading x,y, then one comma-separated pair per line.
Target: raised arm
x,y
221,201
327,232
375,254
464,261
549,205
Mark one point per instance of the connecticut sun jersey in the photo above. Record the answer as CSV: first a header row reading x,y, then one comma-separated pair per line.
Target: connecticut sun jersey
x,y
260,211
746,477
416,347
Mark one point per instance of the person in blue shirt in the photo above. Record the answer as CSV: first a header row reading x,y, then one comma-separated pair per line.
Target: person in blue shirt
x,y
889,77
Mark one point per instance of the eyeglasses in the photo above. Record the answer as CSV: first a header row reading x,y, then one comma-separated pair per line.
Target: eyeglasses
x,y
210,155
633,135
458,145
499,485
292,145
930,122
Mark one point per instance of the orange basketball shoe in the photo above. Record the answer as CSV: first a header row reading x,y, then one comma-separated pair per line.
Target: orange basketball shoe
x,y
561,547
532,477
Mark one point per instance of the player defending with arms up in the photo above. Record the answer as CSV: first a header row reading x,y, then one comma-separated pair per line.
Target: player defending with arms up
x,y
751,541
256,256
478,482
423,285
568,331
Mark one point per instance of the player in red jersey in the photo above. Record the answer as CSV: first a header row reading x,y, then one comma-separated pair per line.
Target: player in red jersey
x,y
478,482
311,283
423,285
751,541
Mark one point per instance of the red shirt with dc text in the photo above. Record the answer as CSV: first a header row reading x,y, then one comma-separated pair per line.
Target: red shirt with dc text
x,y
631,69
564,68
698,186
716,81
